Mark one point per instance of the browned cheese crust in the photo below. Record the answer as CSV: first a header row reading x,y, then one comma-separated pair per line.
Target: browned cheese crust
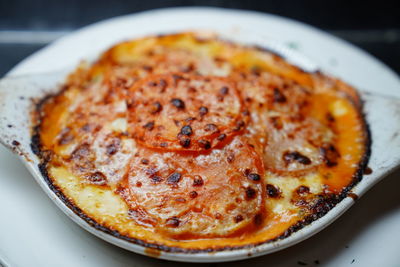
x,y
189,143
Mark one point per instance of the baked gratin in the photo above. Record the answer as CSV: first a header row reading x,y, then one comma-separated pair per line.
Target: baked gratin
x,y
189,143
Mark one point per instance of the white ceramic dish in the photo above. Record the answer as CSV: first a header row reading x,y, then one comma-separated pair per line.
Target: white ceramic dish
x,y
29,79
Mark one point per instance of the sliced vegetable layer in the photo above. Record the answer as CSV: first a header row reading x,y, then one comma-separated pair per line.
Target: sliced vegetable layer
x,y
189,142
183,112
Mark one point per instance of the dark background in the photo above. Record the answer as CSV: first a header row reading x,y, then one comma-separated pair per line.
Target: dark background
x,y
372,25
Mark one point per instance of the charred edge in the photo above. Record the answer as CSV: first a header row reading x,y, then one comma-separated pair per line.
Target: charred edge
x,y
36,118
327,204
43,100
93,223
335,199
35,141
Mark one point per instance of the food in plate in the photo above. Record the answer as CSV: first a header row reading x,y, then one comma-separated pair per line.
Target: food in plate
x,y
190,143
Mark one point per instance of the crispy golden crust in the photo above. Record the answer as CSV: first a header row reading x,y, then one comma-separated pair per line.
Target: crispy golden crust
x,y
175,138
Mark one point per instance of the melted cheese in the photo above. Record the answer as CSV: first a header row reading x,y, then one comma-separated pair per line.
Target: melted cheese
x,y
200,144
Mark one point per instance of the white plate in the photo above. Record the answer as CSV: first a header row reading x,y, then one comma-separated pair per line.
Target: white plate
x,y
33,232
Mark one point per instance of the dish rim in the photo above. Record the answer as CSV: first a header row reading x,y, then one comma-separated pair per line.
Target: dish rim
x,y
296,237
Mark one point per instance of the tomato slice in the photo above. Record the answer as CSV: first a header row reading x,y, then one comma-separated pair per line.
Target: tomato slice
x,y
281,113
91,139
215,194
295,146
100,158
184,112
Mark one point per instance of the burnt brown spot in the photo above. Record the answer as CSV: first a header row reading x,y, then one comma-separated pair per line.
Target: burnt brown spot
x,y
211,128
248,99
186,130
256,70
198,181
15,143
329,117
276,122
367,171
193,194
192,90
221,137
238,218
352,195
156,179
174,178
258,219
113,147
81,152
152,83
178,103
203,111
329,154
278,97
149,126
97,178
272,191
121,83
65,136
184,142
156,107
224,90
254,177
250,193
173,222
303,190
323,204
239,125
150,171
205,144
290,157
144,161
302,202
230,158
